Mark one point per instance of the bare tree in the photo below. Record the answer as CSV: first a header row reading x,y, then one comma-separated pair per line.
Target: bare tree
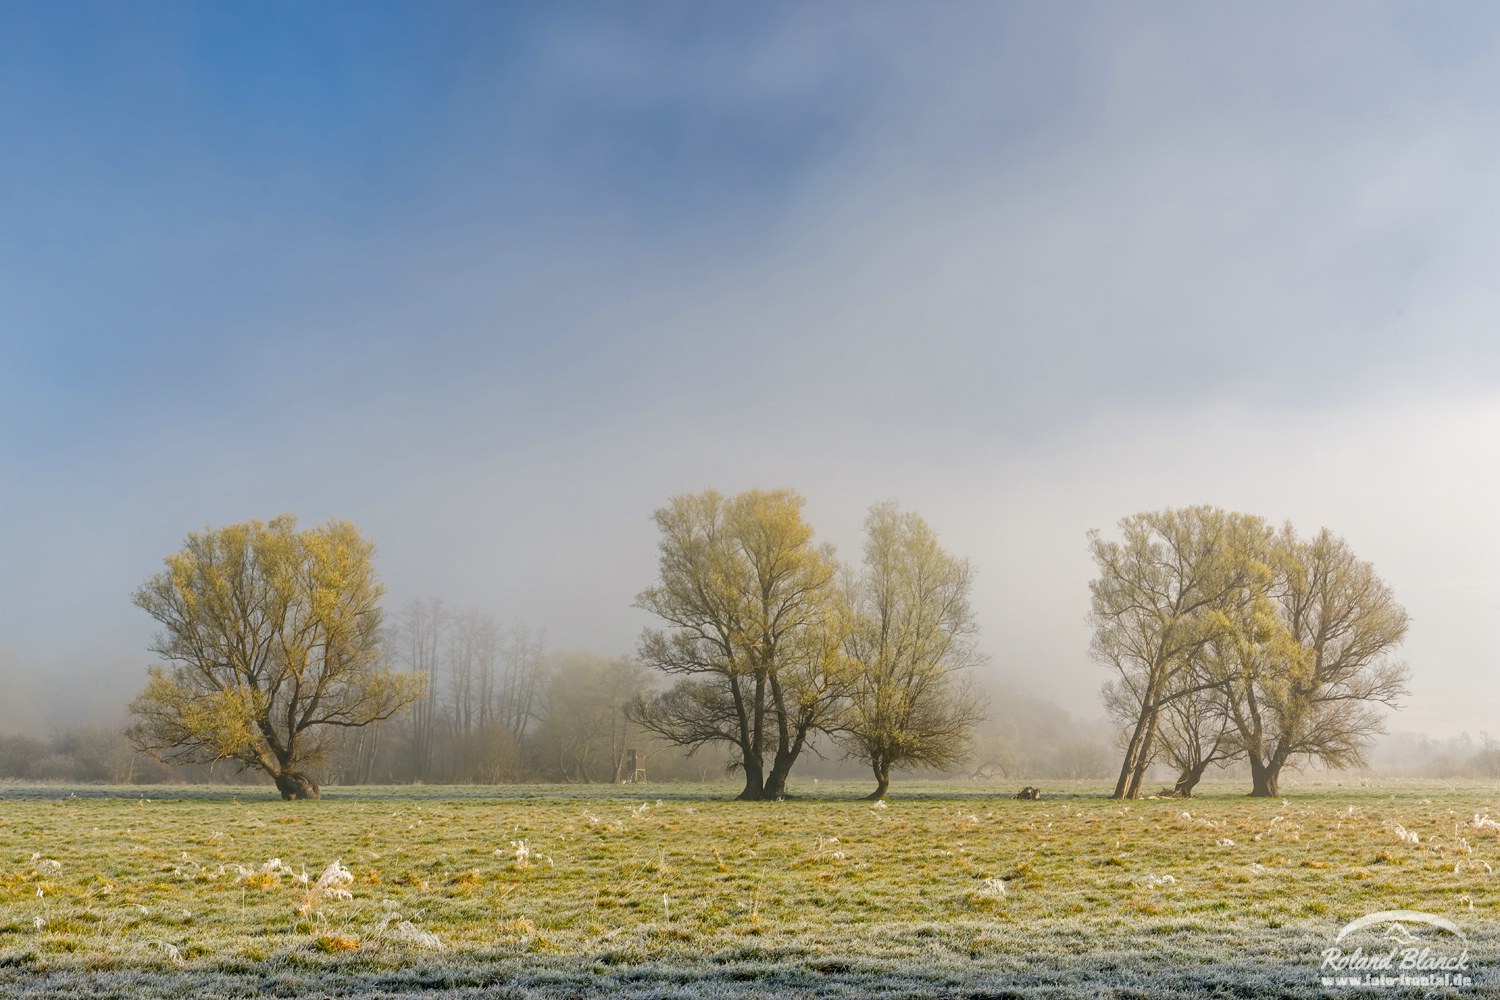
x,y
415,643
471,653
911,637
584,730
522,666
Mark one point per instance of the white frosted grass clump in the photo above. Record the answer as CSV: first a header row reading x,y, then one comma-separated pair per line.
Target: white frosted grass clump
x,y
330,885
991,888
1408,836
524,854
829,845
1225,842
170,950
408,933
878,804
1157,881
395,927
274,867
1485,823
606,826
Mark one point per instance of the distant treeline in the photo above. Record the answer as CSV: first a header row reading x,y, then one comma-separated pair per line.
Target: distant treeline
x,y
575,733
1027,738
1414,755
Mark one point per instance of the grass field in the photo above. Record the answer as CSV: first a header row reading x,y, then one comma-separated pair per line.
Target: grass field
x,y
671,890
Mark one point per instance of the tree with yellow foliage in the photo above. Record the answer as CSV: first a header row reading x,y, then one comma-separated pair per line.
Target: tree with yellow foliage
x,y
271,637
1322,695
1176,585
1231,639
911,640
754,627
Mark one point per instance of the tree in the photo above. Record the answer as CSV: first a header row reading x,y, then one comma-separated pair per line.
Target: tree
x,y
754,625
911,637
1175,584
1193,733
1231,640
483,682
1317,693
584,731
271,640
415,642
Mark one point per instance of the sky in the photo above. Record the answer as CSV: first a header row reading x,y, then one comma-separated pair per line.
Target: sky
x,y
495,281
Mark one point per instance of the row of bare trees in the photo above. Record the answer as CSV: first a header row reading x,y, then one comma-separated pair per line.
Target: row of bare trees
x,y
1231,640
498,707
483,685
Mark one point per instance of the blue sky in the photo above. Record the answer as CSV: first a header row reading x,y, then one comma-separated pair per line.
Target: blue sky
x,y
495,280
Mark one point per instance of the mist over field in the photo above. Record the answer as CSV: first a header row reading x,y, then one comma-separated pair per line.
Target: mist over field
x,y
494,284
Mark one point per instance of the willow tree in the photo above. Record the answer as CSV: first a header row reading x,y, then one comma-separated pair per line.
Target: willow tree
x,y
1193,733
754,623
271,642
1318,693
1176,584
911,639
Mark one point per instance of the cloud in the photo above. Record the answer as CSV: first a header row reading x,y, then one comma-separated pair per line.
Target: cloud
x,y
1026,271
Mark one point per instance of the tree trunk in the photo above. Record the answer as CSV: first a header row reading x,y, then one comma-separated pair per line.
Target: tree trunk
x,y
1188,780
1265,778
296,785
882,782
1137,776
776,781
1131,769
755,781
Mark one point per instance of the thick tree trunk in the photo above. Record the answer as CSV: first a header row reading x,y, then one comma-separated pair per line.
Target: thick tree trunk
x,y
755,781
776,782
296,785
882,782
1187,781
1265,778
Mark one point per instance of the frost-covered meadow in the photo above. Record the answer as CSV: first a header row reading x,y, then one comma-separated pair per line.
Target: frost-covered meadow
x,y
946,890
